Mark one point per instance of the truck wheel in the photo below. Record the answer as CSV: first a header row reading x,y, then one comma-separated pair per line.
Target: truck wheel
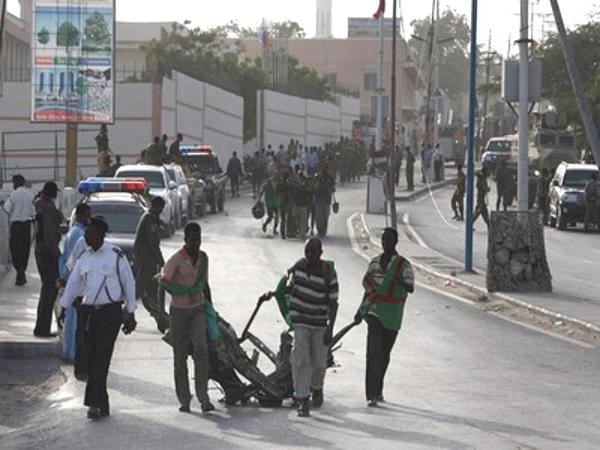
x,y
561,221
221,204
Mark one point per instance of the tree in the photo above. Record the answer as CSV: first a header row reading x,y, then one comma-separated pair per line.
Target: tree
x,y
97,32
454,55
288,29
556,84
43,36
67,35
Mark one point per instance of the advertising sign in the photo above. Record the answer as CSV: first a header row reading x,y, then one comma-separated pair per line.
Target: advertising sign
x,y
72,68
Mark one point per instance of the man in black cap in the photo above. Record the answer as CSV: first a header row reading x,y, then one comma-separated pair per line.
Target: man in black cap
x,y
103,275
47,253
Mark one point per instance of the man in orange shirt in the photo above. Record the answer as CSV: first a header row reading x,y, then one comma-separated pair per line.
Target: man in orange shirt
x,y
188,268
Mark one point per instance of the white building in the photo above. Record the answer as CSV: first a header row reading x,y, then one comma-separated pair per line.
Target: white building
x,y
324,14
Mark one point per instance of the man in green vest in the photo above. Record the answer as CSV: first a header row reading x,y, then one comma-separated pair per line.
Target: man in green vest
x,y
387,283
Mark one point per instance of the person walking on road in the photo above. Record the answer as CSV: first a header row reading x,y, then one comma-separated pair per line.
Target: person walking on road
x,y
481,208
313,311
272,202
20,210
592,202
149,261
388,282
47,253
410,170
234,172
188,270
503,181
458,198
283,191
71,350
102,144
258,173
323,198
103,276
542,195
438,164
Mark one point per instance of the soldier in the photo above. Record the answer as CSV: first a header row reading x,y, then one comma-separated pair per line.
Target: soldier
x,y
153,154
592,202
543,187
410,170
503,180
458,204
234,172
103,149
103,276
387,283
323,197
481,208
149,261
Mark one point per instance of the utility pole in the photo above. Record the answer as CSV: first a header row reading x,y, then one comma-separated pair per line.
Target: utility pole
x,y
471,142
429,116
523,162
436,77
489,55
380,87
582,101
392,165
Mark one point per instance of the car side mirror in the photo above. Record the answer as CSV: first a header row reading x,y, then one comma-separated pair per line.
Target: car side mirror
x,y
172,185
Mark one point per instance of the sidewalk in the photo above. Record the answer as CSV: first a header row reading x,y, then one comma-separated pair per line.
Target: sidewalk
x,y
448,274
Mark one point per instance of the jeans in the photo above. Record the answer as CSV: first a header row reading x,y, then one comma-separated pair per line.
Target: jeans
x,y
47,265
309,360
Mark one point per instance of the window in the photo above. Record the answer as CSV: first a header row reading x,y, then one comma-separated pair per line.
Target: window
x,y
386,107
370,81
578,178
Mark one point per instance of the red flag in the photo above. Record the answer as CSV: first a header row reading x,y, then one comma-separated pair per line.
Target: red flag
x,y
380,10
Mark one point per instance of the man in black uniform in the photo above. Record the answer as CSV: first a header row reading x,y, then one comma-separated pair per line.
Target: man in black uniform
x,y
149,260
458,198
410,170
481,208
503,181
234,172
103,275
543,188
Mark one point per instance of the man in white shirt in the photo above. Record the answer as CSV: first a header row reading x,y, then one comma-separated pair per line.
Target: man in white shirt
x,y
20,210
103,276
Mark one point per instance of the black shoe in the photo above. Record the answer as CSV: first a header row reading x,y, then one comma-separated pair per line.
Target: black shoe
x,y
185,409
94,413
304,408
44,335
264,227
81,377
317,398
380,399
207,406
372,403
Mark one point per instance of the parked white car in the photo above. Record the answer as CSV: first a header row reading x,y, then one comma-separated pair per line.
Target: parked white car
x,y
182,205
160,185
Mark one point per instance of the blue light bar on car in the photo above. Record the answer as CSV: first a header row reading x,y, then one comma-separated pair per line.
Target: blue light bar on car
x,y
94,185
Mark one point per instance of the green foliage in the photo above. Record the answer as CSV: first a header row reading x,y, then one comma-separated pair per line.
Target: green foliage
x,y
67,35
454,55
97,33
206,56
43,36
556,84
287,29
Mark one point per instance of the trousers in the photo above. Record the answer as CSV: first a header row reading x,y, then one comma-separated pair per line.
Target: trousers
x,y
309,360
47,265
101,327
235,185
20,244
188,326
322,210
458,204
380,342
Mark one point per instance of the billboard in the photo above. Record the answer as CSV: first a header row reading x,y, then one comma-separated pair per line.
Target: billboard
x,y
72,76
367,27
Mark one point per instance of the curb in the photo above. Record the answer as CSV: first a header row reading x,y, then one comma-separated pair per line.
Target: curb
x,y
30,349
426,270
419,192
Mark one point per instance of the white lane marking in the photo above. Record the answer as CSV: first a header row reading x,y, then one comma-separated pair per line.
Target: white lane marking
x,y
437,208
420,241
458,298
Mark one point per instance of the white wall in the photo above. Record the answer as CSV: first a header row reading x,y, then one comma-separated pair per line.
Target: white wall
x,y
283,117
204,114
34,155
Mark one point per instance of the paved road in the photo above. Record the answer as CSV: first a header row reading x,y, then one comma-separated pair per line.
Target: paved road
x,y
459,379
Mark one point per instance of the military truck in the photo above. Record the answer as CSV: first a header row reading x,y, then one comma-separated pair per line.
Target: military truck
x,y
204,165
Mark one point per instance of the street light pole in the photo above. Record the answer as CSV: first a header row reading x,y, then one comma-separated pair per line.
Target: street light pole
x,y
380,88
392,161
471,142
523,164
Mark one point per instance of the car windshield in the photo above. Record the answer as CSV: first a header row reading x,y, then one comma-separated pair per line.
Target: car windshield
x,y
578,178
154,179
205,164
499,146
121,219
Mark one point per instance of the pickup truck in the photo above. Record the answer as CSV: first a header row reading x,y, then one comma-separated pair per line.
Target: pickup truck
x,y
204,165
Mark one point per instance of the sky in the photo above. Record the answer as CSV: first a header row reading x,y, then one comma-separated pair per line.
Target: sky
x,y
500,16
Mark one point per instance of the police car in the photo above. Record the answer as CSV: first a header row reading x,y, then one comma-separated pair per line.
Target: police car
x,y
121,202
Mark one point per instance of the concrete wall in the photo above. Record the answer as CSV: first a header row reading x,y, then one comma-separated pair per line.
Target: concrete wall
x,y
283,117
35,148
204,114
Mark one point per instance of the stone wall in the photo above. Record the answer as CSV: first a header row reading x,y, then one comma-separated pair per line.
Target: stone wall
x,y
517,253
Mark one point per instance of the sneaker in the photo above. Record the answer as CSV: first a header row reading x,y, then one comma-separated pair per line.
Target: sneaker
x,y
185,408
207,406
317,398
304,408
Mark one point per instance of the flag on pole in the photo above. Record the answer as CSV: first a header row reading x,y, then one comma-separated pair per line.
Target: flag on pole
x,y
380,10
264,37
